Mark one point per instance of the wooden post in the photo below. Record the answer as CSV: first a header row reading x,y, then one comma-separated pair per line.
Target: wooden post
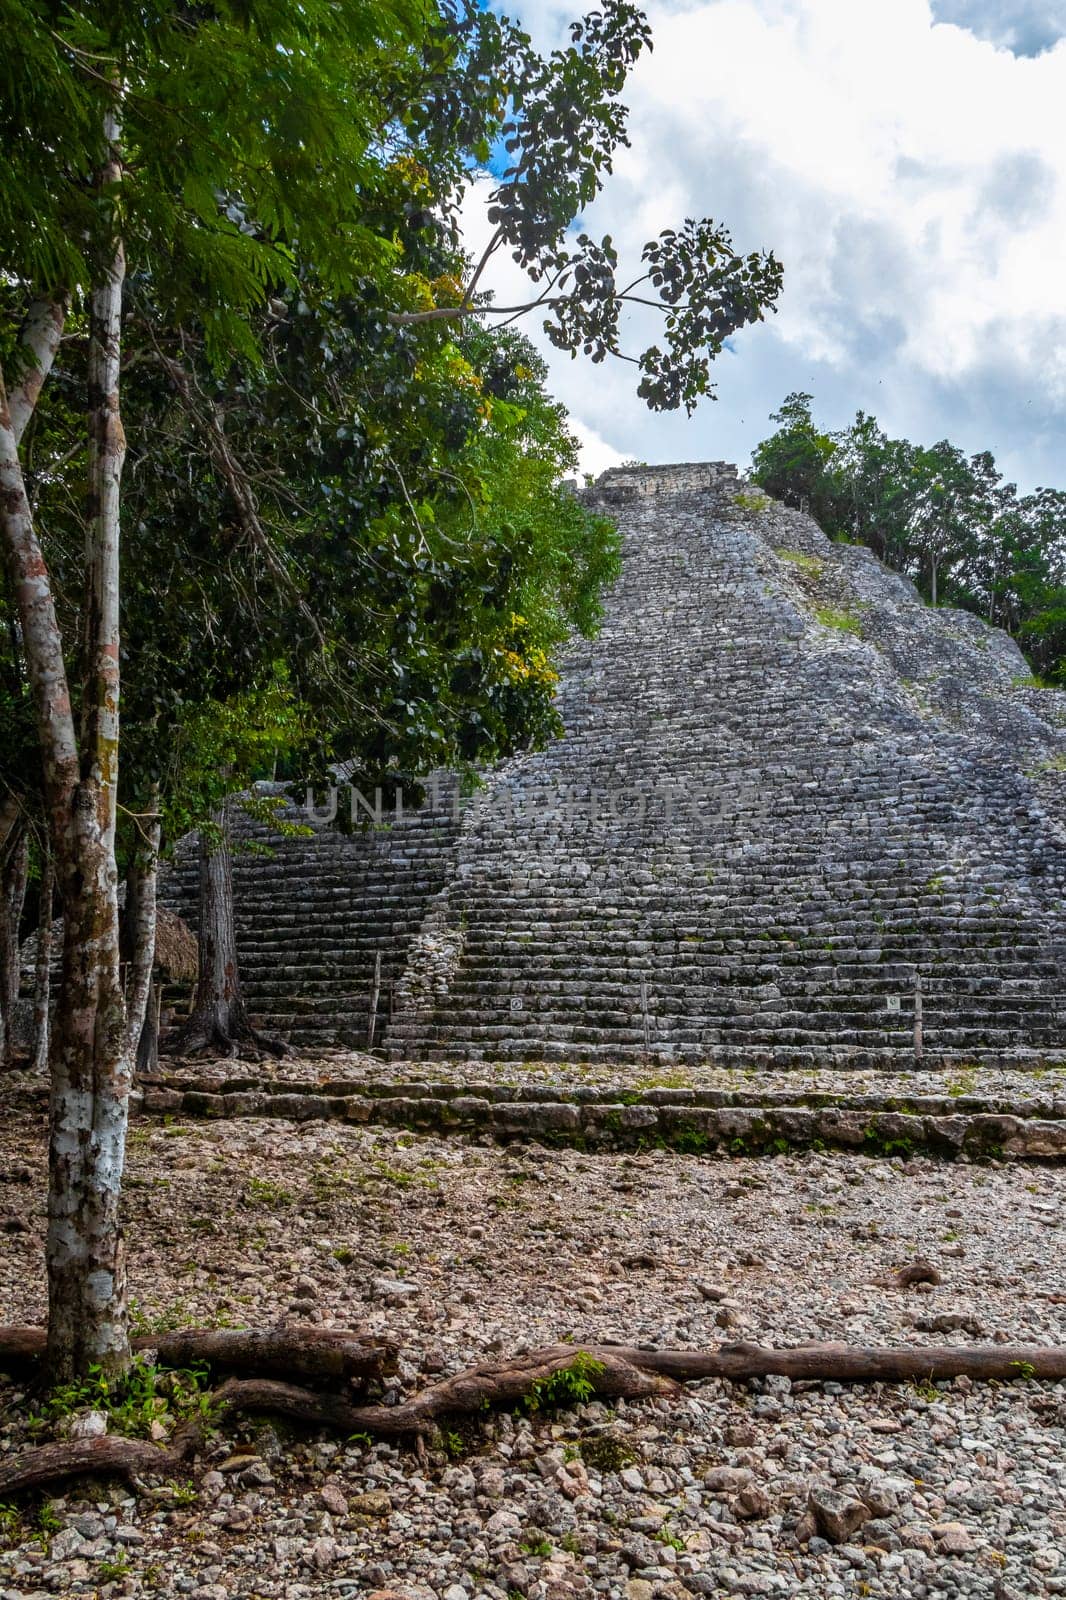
x,y
919,1042
375,990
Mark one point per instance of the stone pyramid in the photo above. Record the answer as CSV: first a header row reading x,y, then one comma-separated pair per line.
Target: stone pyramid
x,y
788,794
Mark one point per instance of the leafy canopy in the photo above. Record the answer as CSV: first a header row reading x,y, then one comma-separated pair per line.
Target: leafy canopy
x,y
948,521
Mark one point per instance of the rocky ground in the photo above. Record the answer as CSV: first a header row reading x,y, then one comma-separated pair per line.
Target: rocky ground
x,y
461,1250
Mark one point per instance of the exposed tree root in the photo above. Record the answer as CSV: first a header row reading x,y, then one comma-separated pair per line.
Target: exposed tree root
x,y
317,1355
612,1371
206,1038
109,1456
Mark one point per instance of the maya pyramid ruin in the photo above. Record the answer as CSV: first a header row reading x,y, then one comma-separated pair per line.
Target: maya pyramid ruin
x,y
788,794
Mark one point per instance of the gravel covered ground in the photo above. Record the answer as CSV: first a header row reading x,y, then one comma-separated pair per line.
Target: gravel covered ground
x,y
461,1250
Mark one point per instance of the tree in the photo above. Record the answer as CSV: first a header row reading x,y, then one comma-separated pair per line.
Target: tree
x,y
796,464
945,507
227,119
194,148
948,521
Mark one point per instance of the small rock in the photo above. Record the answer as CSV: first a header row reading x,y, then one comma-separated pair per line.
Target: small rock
x,y
953,1538
837,1515
393,1289
66,1544
322,1553
639,1589
333,1500
90,1425
728,1480
237,1463
374,1503
752,1503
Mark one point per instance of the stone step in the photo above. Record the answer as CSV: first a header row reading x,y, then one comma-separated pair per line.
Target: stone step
x,y
660,1119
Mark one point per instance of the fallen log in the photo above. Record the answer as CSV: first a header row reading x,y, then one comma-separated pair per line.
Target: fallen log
x,y
325,1355
110,1456
318,1355
612,1371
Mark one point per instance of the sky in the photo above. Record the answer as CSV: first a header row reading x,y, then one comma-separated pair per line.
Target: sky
x,y
906,161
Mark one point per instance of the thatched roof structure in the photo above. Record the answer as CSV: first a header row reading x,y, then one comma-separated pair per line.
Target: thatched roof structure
x,y
177,949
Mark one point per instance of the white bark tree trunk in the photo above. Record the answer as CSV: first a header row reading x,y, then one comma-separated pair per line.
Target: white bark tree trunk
x,y
87,1312
89,1087
38,341
42,988
14,875
141,908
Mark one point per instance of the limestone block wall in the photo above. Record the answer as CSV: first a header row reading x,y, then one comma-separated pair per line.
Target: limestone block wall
x,y
312,914
787,787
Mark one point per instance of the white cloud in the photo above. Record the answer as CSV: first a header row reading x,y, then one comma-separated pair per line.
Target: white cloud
x,y
1025,26
911,176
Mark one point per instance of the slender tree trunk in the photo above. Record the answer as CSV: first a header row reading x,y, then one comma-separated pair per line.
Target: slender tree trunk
x,y
14,875
42,988
39,340
89,1090
87,1318
148,1045
219,1023
141,884
87,1312
10,815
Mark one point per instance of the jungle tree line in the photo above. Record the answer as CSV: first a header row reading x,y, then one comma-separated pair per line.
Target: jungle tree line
x,y
256,476
947,520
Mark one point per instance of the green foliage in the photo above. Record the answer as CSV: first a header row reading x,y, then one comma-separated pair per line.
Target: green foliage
x,y
810,566
837,617
132,1402
343,535
571,1385
262,1192
231,117
793,465
946,520
754,503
